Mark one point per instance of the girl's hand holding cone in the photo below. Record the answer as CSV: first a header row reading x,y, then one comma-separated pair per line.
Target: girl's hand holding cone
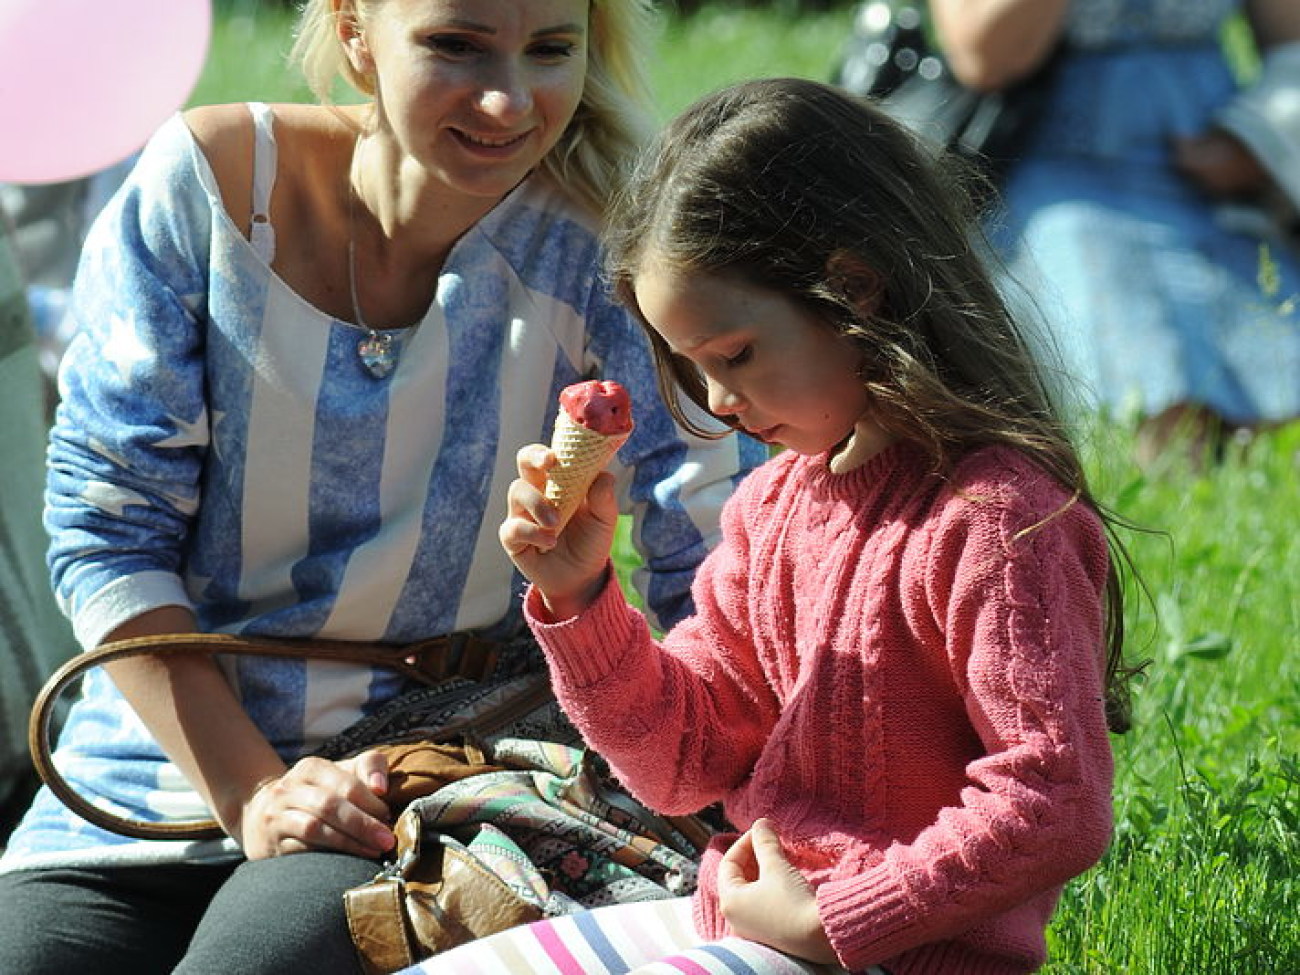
x,y
562,512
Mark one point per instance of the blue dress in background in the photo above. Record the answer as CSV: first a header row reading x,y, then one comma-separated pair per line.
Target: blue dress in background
x,y
1153,295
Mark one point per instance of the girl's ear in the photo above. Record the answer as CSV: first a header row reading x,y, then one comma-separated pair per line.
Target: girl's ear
x,y
848,274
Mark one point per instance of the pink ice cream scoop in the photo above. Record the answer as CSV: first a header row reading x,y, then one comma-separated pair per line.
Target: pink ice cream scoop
x,y
594,420
601,405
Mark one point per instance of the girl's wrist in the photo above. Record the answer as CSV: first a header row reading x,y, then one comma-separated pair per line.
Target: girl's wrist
x,y
559,608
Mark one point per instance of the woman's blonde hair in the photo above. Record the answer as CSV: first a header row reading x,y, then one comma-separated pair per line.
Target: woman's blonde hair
x,y
613,119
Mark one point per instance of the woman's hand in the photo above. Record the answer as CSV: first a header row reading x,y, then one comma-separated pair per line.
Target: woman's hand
x,y
320,805
765,899
568,567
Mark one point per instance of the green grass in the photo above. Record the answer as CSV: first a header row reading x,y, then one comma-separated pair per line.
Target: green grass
x,y
247,58
1204,873
1202,876
723,44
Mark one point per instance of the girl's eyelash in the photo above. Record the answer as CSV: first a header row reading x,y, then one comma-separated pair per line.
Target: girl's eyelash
x,y
739,358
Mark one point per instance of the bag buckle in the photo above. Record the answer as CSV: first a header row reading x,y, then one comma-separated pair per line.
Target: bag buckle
x,y
461,654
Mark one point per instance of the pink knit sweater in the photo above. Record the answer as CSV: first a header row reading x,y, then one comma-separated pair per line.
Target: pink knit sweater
x,y
903,674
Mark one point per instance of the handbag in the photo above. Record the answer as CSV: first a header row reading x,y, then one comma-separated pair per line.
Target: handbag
x,y
546,833
496,825
890,59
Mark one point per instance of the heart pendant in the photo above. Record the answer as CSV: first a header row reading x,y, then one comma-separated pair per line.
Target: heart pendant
x,y
378,353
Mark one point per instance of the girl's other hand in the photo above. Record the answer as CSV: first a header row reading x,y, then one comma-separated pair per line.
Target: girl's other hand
x,y
568,567
766,899
320,805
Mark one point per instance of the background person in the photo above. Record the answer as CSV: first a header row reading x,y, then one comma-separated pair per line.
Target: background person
x,y
310,340
49,223
34,636
1138,212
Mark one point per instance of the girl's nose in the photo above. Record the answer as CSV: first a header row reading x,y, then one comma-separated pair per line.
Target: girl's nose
x,y
722,400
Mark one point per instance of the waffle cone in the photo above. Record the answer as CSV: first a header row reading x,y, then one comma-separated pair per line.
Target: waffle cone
x,y
581,454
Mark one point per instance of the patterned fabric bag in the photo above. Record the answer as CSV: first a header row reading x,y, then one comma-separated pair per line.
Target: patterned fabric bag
x,y
538,830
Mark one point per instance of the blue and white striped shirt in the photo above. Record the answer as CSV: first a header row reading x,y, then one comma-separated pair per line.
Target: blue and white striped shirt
x,y
219,446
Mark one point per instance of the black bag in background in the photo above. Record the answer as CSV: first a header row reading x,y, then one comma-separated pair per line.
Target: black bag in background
x,y
889,58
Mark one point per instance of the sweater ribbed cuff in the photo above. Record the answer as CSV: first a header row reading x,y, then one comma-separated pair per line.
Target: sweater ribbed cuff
x,y
886,933
589,647
860,934
946,957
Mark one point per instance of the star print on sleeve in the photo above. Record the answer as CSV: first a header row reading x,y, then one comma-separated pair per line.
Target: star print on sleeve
x,y
111,498
123,348
187,434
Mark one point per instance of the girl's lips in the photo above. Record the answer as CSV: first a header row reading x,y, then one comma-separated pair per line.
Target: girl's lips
x,y
766,434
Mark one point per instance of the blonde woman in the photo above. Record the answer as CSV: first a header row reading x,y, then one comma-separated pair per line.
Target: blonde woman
x,y
312,338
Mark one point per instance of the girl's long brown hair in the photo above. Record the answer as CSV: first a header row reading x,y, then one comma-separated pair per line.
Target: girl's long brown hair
x,y
795,186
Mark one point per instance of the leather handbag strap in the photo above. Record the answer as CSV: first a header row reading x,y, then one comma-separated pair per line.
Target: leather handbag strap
x,y
424,662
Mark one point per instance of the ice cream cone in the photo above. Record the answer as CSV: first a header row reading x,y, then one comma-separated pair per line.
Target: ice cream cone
x,y
582,454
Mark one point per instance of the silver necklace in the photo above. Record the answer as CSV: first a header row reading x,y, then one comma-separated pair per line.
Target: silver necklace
x,y
378,350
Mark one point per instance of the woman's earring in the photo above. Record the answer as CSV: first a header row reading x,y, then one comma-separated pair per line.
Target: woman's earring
x,y
359,55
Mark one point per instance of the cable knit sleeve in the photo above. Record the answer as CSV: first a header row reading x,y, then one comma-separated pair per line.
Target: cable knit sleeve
x,y
681,723
1014,573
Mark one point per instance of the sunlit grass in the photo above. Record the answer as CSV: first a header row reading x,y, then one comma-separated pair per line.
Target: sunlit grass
x,y
1202,876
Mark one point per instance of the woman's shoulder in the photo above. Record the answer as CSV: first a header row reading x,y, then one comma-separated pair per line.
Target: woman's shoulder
x,y
302,136
224,135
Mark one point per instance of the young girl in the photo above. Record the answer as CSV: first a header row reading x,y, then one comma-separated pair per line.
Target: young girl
x,y
896,676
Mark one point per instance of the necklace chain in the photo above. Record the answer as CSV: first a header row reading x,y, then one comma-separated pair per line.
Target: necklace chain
x,y
377,350
359,318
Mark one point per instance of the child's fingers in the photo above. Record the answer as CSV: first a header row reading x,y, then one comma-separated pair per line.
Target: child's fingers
x,y
520,534
601,499
768,851
738,865
527,500
534,461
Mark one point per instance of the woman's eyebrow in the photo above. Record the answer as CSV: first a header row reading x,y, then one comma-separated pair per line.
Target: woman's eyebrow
x,y
475,27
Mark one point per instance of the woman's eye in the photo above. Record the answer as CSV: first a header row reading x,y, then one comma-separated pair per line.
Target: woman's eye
x,y
554,50
453,47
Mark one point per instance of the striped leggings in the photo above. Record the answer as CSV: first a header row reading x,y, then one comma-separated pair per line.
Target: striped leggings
x,y
651,938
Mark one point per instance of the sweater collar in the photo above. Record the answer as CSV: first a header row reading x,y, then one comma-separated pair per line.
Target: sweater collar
x,y
901,458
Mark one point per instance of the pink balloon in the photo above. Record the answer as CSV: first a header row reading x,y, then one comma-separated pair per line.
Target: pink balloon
x,y
84,83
